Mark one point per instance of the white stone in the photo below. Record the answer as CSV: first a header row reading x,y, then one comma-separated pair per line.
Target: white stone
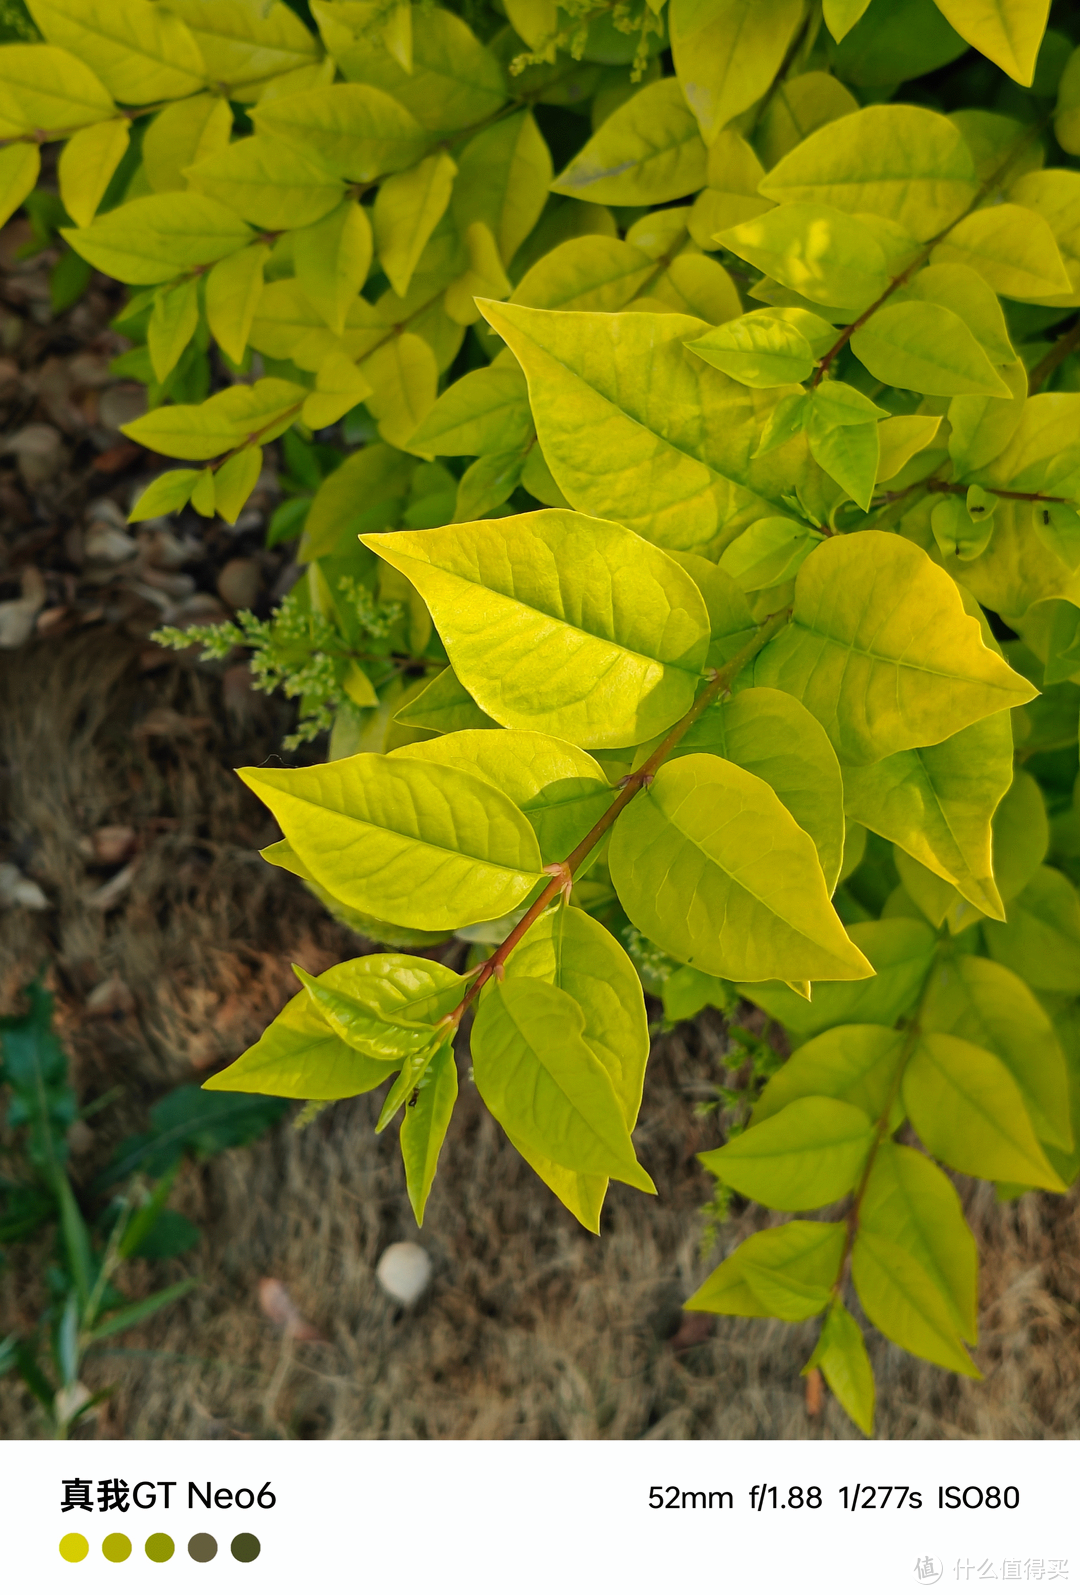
x,y
404,1272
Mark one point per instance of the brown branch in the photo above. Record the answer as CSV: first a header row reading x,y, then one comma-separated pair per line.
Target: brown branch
x,y
1061,350
998,492
563,874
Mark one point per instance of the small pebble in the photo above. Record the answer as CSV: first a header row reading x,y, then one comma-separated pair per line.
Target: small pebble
x,y
404,1272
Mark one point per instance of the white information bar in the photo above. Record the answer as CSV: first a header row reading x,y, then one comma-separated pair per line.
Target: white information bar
x,y
540,1518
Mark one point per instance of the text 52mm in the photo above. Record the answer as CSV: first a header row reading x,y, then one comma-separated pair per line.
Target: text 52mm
x,y
670,1497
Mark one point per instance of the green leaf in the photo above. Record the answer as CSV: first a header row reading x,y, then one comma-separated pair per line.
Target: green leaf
x,y
425,1125
877,631
1021,835
299,1055
166,493
647,152
141,52
822,253
638,429
332,257
44,87
488,483
339,387
181,134
727,53
808,1256
841,1351
800,105
912,1204
503,178
343,1001
413,843
404,377
559,789
853,1063
351,130
172,325
840,17
928,348
188,1121
128,1317
767,347
485,412
154,238
366,493
234,482
20,165
850,454
903,162
900,950
730,619
968,1111
901,1299
712,867
964,292
226,421
575,953
593,273
539,1078
806,1155
270,182
233,289
247,46
1009,32
408,207
444,706
937,802
775,738
454,81
1011,247
988,1005
86,166
525,602
1041,939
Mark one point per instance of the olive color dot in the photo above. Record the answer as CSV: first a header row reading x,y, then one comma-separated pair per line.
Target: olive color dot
x,y
73,1547
245,1547
202,1547
159,1547
116,1547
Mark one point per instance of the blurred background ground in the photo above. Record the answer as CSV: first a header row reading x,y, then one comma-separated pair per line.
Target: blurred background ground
x,y
129,867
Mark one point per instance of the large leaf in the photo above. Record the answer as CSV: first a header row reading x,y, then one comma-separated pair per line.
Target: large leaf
x,y
806,1255
1040,941
484,412
593,273
413,843
227,420
911,1203
712,867
928,348
882,651
539,1078
637,428
503,178
354,131
903,162
937,804
1012,247
269,182
727,53
822,253
560,789
901,1299
853,1063
647,152
806,1155
1008,31
244,45
968,1111
154,238
45,87
408,208
558,623
299,1055
774,737
141,52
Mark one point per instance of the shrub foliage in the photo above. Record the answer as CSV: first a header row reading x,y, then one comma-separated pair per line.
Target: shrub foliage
x,y
701,606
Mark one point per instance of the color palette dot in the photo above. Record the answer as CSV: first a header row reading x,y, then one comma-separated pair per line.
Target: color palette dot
x,y
245,1547
159,1547
202,1547
73,1547
116,1547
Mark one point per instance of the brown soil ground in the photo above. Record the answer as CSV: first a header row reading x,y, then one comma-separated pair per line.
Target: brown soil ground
x,y
532,1328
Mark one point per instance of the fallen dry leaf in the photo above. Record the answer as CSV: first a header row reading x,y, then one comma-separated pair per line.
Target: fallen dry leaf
x,y
109,895
694,1330
279,1307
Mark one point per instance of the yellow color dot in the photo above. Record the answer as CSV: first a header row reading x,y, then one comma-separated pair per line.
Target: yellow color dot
x,y
116,1547
73,1547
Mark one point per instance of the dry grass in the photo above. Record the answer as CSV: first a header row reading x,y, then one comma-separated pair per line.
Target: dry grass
x,y
532,1329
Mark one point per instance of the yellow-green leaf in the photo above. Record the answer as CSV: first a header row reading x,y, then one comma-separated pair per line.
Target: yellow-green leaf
x,y
352,130
48,88
408,208
852,1063
502,181
19,168
154,238
648,151
903,162
269,182
902,1300
529,603
417,844
806,1155
87,163
592,273
234,482
423,1131
181,135
299,1055
332,257
229,419
485,412
1010,246
339,387
166,493
927,348
403,377
1040,940
900,950
727,53
798,108
233,290
882,651
141,52
172,325
841,1351
709,863
1008,32
822,253
245,45
805,1254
